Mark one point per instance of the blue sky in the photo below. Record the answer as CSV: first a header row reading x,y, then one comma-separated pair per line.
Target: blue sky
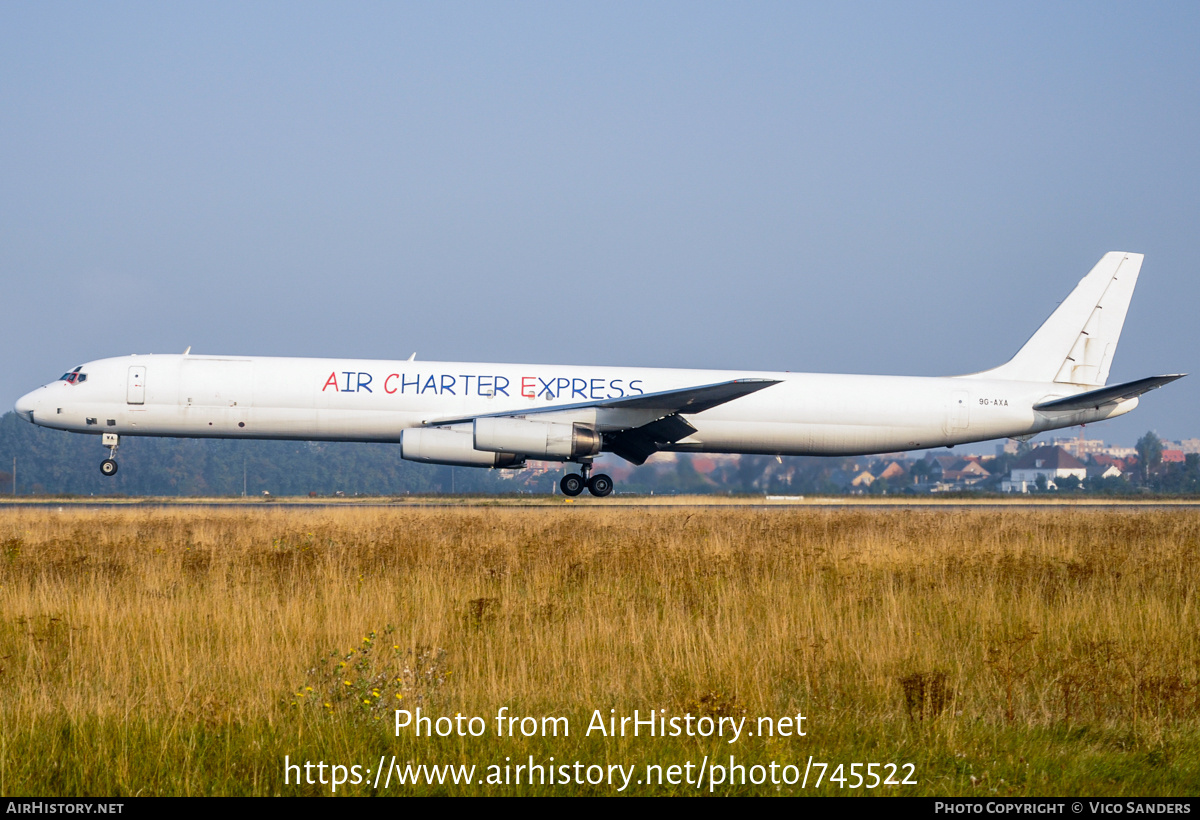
x,y
873,188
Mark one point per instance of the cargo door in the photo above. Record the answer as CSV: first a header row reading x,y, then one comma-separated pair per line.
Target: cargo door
x,y
958,412
216,394
135,392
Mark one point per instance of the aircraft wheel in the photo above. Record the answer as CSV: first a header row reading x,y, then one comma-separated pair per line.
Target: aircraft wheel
x,y
600,485
108,467
571,484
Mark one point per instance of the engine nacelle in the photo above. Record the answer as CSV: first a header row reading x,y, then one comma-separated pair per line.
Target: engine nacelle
x,y
454,447
551,440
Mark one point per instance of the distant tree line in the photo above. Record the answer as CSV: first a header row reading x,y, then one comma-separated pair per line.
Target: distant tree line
x,y
56,462
52,462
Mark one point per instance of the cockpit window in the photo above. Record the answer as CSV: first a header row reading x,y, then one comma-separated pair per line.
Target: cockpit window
x,y
74,376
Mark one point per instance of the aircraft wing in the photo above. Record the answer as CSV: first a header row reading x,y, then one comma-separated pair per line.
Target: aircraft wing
x,y
1108,395
634,427
691,399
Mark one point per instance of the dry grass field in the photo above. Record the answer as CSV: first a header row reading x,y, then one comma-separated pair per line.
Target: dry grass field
x,y
999,651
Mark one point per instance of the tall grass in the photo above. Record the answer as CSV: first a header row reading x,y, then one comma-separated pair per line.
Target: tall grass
x,y
1001,651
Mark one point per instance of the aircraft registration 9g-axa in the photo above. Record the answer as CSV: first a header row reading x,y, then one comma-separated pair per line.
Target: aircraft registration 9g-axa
x,y
499,415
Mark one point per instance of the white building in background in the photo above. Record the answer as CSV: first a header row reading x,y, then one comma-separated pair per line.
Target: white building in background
x,y
1051,462
1080,447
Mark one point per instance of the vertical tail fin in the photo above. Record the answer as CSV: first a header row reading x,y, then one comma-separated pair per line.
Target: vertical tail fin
x,y
1076,344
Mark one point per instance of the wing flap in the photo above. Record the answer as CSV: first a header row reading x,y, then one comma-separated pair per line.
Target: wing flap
x,y
639,443
1108,395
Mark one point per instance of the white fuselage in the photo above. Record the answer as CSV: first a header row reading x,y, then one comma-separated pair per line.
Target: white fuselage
x,y
374,400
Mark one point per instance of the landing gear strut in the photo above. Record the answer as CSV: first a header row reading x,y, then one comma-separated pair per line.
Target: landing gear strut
x,y
598,485
109,466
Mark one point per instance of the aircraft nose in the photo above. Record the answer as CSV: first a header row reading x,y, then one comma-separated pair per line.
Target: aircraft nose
x,y
25,407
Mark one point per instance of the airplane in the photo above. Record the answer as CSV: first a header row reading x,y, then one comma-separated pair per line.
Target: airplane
x,y
500,415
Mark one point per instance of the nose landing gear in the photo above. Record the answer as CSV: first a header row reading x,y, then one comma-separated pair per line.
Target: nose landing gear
x,y
598,485
109,466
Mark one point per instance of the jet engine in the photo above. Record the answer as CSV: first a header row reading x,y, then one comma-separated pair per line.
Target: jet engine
x,y
440,445
550,440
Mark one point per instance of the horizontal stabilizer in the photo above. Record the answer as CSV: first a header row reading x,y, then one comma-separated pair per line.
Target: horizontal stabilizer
x,y
1108,395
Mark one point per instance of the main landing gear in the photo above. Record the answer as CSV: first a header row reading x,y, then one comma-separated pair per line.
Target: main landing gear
x,y
109,465
598,485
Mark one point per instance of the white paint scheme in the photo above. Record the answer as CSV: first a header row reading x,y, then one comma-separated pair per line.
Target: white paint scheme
x,y
805,414
800,414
